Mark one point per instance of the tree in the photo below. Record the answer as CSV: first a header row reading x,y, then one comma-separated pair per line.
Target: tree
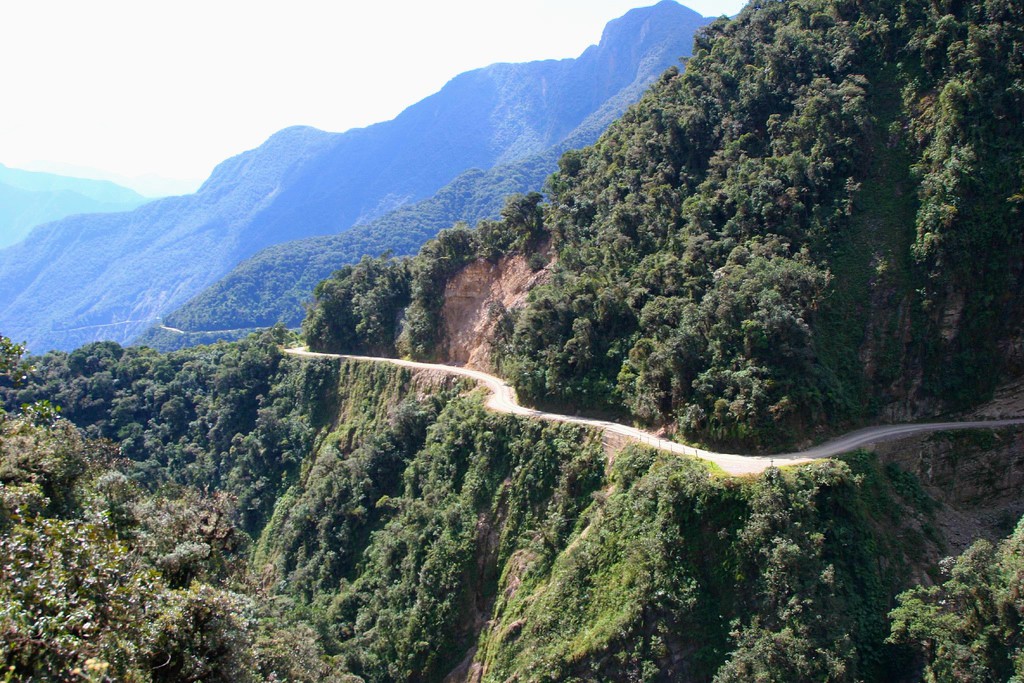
x,y
11,365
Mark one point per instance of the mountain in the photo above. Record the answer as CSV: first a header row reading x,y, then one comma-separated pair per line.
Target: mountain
x,y
149,185
28,199
817,224
275,284
111,276
803,229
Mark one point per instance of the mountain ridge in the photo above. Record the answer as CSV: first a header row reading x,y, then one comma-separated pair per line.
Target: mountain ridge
x,y
31,198
235,302
302,182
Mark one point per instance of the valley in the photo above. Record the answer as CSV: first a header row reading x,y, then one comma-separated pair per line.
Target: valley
x,y
74,278
456,445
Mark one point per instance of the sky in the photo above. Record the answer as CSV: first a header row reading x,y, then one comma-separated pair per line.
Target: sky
x,y
154,87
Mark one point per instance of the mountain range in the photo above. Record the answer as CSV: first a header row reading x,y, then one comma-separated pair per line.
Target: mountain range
x,y
816,227
29,198
275,284
112,276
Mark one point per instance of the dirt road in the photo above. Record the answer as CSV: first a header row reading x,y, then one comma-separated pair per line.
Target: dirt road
x,y
503,399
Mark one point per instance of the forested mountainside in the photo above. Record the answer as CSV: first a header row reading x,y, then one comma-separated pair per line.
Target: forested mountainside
x,y
118,274
273,285
29,198
229,513
818,223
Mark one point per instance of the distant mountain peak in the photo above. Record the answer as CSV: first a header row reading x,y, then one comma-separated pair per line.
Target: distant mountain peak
x,y
31,198
97,277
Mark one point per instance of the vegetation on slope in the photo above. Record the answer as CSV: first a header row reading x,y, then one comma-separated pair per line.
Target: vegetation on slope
x,y
721,268
969,627
106,578
697,240
412,533
705,249
230,417
388,304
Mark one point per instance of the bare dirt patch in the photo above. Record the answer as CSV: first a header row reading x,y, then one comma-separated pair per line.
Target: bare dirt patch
x,y
476,298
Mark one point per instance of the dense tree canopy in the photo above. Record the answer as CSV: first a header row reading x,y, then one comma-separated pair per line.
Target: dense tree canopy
x,y
778,233
107,578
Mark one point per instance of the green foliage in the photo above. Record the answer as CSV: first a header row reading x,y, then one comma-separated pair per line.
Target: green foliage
x,y
230,416
104,581
418,525
71,592
675,574
322,522
521,226
49,459
75,598
11,366
965,95
432,566
358,308
734,255
689,238
395,537
969,627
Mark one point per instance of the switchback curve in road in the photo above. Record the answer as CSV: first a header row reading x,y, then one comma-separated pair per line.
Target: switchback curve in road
x,y
503,399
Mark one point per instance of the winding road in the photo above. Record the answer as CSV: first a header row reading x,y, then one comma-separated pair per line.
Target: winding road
x,y
503,400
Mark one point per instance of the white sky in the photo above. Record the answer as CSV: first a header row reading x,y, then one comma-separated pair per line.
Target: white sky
x,y
165,87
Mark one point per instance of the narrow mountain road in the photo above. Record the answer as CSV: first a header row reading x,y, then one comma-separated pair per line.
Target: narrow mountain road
x,y
175,330
503,400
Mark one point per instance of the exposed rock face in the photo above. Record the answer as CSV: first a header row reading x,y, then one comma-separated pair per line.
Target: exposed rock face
x,y
977,476
475,300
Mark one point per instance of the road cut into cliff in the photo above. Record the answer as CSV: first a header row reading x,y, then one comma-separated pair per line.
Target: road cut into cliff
x,y
503,399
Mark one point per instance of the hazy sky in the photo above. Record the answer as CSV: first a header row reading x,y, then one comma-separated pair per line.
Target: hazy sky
x,y
134,87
